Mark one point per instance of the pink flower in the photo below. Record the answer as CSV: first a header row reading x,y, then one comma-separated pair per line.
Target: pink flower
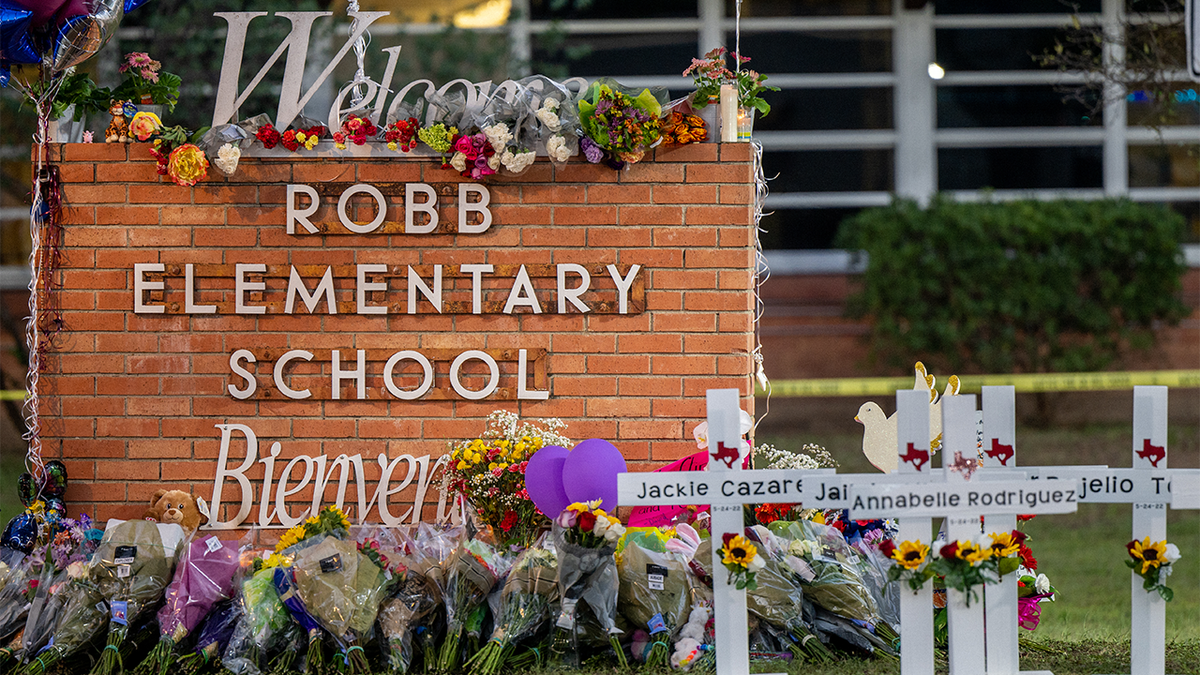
x,y
567,518
464,145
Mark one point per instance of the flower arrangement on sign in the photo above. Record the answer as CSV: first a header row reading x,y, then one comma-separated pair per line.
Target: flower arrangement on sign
x,y
291,139
1152,562
402,134
146,83
488,474
355,129
619,122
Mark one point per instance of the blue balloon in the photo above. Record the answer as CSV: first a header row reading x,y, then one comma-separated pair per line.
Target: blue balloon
x,y
5,74
131,5
16,44
21,533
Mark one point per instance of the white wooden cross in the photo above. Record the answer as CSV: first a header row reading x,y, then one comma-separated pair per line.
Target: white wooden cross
x,y
1150,487
961,501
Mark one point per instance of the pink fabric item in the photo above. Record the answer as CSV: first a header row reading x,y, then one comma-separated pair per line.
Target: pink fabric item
x,y
1028,614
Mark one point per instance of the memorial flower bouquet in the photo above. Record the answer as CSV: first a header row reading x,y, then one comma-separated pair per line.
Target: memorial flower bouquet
x,y
1032,590
203,578
529,591
469,574
655,588
489,474
439,137
741,558
146,83
131,569
620,122
910,562
966,563
402,134
585,538
355,129
265,627
82,620
416,596
1152,562
213,638
708,74
474,156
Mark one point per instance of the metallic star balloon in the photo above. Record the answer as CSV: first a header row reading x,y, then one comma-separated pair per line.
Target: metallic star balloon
x,y
16,42
80,37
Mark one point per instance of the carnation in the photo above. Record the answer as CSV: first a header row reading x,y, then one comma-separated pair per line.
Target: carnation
x,y
518,162
557,148
592,152
227,158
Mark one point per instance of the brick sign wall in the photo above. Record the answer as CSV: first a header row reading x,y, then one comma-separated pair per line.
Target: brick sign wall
x,y
188,308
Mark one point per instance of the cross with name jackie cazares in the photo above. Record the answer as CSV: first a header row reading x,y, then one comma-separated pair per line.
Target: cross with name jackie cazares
x,y
726,489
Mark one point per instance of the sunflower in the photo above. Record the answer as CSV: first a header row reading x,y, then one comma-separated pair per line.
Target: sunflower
x,y
290,538
1003,544
739,551
911,554
1151,555
972,552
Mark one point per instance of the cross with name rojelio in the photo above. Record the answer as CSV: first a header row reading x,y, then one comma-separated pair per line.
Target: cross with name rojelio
x,y
1150,486
913,495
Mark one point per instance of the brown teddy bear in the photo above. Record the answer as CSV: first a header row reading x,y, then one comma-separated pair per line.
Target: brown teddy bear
x,y
179,507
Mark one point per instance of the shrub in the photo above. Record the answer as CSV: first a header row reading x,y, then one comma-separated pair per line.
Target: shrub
x,y
1022,286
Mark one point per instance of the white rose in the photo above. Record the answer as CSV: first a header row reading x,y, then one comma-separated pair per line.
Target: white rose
x,y
756,563
76,570
600,527
227,158
494,162
614,533
459,162
1172,553
1042,584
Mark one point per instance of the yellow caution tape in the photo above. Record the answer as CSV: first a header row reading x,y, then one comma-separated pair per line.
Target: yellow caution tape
x,y
1024,383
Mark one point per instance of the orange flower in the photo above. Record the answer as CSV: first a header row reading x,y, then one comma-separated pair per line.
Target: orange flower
x,y
187,165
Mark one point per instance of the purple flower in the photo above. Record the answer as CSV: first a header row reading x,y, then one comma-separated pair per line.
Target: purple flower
x,y
591,151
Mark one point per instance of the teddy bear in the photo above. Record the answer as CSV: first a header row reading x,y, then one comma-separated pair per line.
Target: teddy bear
x,y
179,507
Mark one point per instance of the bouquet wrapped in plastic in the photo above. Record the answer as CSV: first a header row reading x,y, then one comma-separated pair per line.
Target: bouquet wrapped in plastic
x,y
585,538
655,589
829,572
205,576
82,619
20,584
265,627
342,589
621,121
468,574
131,568
529,592
414,598
213,638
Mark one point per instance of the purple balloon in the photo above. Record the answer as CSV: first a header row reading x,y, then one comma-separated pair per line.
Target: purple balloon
x,y
544,481
590,472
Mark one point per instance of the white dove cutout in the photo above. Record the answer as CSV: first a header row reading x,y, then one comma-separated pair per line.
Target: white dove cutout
x,y
879,430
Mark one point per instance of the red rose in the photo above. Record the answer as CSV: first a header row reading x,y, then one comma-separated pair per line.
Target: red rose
x,y
949,550
587,520
887,548
1019,537
726,538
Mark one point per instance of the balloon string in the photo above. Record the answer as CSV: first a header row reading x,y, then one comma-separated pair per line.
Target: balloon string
x,y
360,51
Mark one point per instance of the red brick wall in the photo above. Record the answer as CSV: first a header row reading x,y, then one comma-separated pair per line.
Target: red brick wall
x,y
129,401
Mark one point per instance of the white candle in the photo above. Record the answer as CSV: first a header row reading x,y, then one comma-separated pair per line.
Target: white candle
x,y
729,112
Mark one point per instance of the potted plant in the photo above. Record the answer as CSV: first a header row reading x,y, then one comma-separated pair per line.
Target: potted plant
x,y
708,74
146,85
750,84
78,97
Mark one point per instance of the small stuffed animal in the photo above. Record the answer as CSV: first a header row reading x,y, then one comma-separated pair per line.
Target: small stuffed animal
x,y
179,507
118,129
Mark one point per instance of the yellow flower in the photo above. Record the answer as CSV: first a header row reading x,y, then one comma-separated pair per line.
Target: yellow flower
x,y
391,146
300,136
1003,544
910,554
461,465
311,142
340,146
972,552
313,520
144,125
1151,555
290,538
739,552
186,165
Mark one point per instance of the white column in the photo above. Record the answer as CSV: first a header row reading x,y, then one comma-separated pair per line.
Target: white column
x,y
518,27
914,97
712,21
1149,630
1116,148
